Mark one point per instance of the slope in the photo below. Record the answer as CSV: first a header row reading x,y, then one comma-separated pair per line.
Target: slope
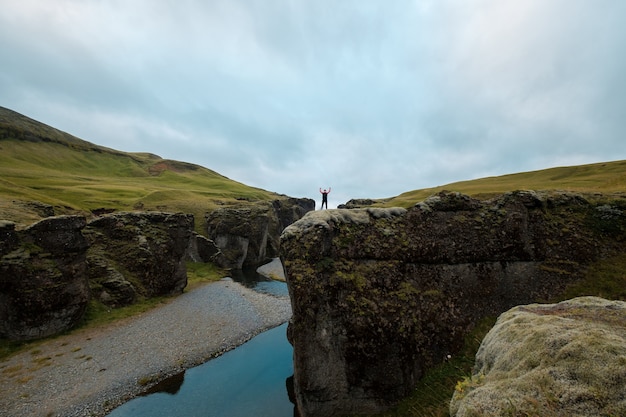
x,y
44,165
604,177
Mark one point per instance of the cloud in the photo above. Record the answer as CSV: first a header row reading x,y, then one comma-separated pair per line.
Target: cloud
x,y
370,98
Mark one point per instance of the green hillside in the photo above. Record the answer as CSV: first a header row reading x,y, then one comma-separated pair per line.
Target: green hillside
x,y
606,178
42,164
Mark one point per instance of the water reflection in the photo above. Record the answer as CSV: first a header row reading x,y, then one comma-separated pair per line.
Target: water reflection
x,y
252,279
247,381
169,385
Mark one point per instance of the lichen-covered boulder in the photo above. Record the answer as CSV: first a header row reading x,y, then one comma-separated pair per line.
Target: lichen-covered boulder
x,y
146,249
43,284
566,359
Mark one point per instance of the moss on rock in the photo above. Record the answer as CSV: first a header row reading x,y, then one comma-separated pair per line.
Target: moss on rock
x,y
565,359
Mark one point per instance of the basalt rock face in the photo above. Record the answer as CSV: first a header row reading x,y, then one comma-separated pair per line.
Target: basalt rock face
x,y
564,359
202,249
43,284
290,210
50,270
381,295
138,253
249,234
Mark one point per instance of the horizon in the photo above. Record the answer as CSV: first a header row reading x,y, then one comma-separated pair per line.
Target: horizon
x,y
330,204
370,99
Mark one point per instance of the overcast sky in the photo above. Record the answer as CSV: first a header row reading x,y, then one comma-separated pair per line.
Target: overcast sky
x,y
371,98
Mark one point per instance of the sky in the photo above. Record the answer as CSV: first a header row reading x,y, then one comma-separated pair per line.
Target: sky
x,y
370,97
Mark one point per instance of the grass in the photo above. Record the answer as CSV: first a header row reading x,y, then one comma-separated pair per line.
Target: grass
x,y
199,273
605,278
605,177
39,163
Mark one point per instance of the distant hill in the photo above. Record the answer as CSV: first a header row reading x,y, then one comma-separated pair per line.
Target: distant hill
x,y
41,164
43,168
605,178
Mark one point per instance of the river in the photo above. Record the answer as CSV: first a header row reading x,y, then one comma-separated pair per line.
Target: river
x,y
250,380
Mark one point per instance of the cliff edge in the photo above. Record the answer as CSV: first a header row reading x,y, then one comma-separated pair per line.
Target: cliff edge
x,y
381,295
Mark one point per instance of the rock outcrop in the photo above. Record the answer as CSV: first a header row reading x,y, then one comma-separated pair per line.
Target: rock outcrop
x,y
381,295
357,203
43,284
202,249
50,270
565,359
138,253
249,234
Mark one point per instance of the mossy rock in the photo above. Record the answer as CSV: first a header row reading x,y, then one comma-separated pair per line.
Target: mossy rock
x,y
565,359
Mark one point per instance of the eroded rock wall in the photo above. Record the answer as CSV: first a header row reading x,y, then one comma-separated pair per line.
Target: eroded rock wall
x,y
381,295
249,234
43,284
138,253
50,270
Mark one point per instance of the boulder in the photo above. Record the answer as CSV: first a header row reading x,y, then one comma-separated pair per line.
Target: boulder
x,y
43,283
141,252
381,295
565,359
249,234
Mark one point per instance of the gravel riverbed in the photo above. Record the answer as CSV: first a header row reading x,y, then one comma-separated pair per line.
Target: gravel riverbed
x,y
90,372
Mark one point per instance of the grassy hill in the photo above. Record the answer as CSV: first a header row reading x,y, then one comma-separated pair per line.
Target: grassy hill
x,y
42,164
605,178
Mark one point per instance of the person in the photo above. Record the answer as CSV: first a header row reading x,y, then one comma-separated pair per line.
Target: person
x,y
324,197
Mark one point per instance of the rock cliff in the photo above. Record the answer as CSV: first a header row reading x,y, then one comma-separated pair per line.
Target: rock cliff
x,y
50,270
138,254
43,282
381,295
565,359
249,234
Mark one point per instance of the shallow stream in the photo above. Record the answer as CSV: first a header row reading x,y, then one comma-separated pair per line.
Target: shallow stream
x,y
250,380
251,279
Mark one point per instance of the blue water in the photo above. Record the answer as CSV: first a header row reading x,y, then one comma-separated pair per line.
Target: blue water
x,y
251,279
247,381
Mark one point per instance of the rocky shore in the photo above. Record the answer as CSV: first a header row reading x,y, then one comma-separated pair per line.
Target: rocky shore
x,y
92,371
